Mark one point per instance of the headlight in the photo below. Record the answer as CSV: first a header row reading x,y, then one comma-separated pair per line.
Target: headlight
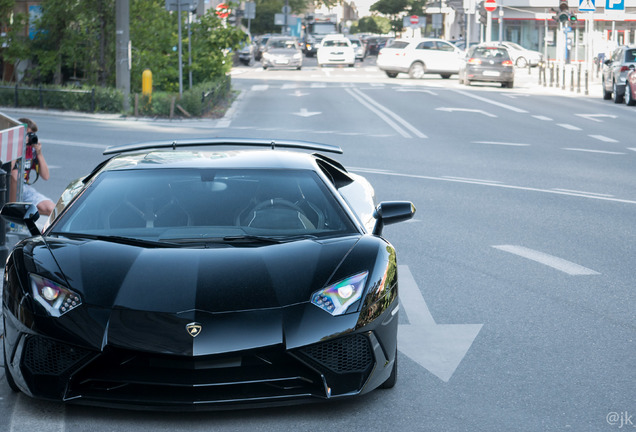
x,y
337,298
266,56
297,56
56,299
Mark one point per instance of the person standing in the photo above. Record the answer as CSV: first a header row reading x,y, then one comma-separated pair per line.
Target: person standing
x,y
35,167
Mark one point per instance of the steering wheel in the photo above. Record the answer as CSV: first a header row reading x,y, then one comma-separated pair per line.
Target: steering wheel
x,y
267,204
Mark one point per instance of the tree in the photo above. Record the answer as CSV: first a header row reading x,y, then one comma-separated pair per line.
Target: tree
x,y
372,24
265,11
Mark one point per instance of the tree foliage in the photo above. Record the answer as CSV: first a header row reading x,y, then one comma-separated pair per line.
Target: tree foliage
x,y
372,24
265,11
75,41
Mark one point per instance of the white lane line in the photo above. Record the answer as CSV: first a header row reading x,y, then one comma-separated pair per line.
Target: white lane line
x,y
501,143
549,260
318,85
377,112
569,126
504,186
260,87
631,148
540,117
492,102
396,117
75,144
593,151
471,179
603,138
582,192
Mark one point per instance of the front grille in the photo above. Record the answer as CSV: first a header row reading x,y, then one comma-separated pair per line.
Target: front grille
x,y
348,354
122,376
47,357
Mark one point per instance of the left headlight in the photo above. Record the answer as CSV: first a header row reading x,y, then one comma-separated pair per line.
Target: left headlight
x,y
55,298
337,298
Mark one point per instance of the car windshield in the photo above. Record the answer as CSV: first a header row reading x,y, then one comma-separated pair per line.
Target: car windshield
x,y
335,43
630,55
282,43
491,53
188,205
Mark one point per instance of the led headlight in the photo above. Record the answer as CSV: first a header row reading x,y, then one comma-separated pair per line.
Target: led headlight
x,y
337,298
56,299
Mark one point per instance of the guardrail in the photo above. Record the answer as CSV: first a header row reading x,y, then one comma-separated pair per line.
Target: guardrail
x,y
43,91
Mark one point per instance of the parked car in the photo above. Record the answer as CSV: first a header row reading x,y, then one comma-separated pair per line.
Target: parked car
x,y
246,52
261,41
176,276
615,70
487,63
420,56
282,52
630,88
358,47
336,49
522,57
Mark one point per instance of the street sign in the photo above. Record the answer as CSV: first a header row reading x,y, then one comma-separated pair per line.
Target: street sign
x,y
222,10
414,19
614,5
490,5
587,6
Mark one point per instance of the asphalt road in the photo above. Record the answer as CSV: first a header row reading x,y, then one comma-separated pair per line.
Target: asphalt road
x,y
516,274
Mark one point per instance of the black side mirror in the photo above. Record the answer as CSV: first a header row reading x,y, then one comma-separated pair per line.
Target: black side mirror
x,y
22,214
390,212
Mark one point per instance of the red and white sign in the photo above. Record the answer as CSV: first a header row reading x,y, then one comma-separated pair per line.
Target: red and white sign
x,y
222,10
12,143
414,19
490,5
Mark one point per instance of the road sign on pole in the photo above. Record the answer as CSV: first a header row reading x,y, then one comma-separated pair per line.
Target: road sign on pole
x,y
490,5
587,5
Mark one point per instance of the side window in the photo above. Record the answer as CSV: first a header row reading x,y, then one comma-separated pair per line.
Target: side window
x,y
426,45
443,46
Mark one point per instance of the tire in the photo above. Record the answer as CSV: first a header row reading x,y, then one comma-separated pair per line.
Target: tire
x,y
352,64
391,74
445,76
629,100
507,84
521,62
417,70
606,95
392,379
617,98
7,372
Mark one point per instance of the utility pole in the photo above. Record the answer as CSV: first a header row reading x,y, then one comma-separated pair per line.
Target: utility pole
x,y
122,55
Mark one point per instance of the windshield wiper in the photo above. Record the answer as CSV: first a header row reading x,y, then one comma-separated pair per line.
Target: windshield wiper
x,y
267,239
132,241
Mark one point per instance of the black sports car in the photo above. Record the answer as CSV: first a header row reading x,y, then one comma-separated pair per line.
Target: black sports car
x,y
178,275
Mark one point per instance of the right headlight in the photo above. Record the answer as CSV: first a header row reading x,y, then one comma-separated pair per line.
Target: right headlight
x,y
55,298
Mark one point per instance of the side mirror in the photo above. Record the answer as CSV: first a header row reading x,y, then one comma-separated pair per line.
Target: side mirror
x,y
22,214
390,212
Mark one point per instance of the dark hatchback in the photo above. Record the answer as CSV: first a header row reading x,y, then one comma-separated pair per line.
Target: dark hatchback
x,y
487,63
198,275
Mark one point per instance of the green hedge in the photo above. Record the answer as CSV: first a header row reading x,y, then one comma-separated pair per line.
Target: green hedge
x,y
97,99
202,100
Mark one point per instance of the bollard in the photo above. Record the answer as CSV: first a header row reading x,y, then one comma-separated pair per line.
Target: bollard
x,y
563,82
556,75
551,75
571,79
587,90
540,67
578,79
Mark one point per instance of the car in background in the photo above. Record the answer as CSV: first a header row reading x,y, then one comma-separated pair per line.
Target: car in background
x,y
282,52
630,88
246,52
522,57
461,44
359,47
420,56
260,42
487,63
205,274
615,70
336,49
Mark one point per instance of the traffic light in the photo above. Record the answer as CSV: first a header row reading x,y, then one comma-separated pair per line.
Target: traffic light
x,y
573,18
483,14
564,11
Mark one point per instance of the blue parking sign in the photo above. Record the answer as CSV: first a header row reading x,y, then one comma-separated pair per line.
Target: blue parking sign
x,y
614,5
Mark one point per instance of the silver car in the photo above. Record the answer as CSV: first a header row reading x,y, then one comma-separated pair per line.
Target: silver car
x,y
522,57
615,71
282,51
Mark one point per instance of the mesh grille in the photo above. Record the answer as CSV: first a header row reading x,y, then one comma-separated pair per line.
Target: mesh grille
x,y
348,354
46,357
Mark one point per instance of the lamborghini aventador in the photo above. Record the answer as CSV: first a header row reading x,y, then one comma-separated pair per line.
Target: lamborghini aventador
x,y
206,274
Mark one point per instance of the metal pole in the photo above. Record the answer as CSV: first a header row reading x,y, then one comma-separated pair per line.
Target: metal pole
x,y
190,48
180,62
501,14
122,37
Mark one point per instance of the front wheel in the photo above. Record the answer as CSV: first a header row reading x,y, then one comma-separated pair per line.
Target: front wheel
x,y
391,74
629,100
445,76
417,70
521,62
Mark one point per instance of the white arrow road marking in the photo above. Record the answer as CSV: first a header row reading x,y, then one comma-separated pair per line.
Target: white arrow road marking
x,y
568,126
593,117
304,113
298,93
260,87
439,348
540,117
593,151
466,110
551,261
415,90
516,95
501,143
631,148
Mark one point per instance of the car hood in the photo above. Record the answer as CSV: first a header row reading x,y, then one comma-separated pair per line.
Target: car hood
x,y
220,279
283,52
